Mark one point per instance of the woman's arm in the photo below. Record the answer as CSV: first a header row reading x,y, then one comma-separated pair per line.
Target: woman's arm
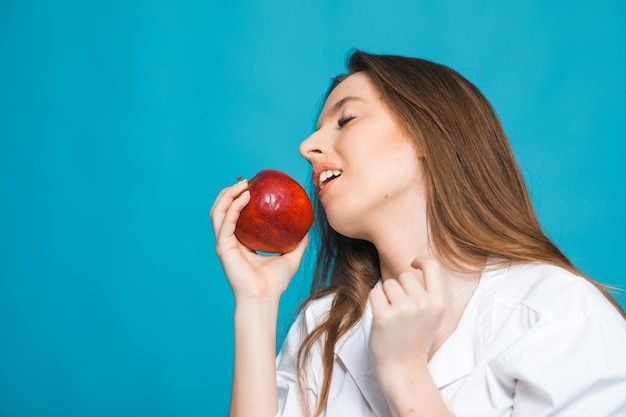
x,y
407,314
254,391
257,283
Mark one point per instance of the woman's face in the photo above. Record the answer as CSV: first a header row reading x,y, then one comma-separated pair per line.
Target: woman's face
x,y
365,170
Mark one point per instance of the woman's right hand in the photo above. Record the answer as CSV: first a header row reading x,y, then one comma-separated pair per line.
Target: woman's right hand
x,y
251,276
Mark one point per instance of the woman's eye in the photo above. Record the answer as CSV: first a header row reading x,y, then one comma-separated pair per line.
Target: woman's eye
x,y
343,121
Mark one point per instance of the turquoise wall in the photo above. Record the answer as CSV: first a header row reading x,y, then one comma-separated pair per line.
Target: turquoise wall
x,y
121,120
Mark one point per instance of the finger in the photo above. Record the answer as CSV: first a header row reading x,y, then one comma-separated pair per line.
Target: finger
x,y
412,282
435,282
217,199
378,300
223,202
393,291
229,222
226,195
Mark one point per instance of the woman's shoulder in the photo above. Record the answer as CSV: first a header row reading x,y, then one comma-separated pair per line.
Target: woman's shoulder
x,y
531,309
309,316
537,322
314,311
549,291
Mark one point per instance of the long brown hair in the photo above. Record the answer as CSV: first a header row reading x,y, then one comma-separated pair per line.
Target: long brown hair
x,y
478,206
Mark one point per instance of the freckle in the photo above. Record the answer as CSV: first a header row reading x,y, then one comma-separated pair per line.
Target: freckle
x,y
386,195
411,410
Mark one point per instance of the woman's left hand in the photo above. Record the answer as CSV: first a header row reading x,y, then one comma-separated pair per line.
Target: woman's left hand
x,y
407,313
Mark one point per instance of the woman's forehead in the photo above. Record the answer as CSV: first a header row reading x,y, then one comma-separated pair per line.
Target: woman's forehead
x,y
357,86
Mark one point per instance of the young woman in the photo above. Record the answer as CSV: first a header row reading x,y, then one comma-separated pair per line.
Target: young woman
x,y
436,292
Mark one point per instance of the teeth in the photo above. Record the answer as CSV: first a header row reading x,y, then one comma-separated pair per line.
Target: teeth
x,y
325,175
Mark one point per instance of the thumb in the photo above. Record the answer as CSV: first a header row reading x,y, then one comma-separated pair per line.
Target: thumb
x,y
295,255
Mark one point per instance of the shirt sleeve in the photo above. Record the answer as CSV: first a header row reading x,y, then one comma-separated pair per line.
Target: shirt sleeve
x,y
569,367
289,397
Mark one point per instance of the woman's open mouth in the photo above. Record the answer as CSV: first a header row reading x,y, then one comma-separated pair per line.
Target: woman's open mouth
x,y
326,177
323,175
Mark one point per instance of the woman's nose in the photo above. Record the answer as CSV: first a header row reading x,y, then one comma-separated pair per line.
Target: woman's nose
x,y
312,148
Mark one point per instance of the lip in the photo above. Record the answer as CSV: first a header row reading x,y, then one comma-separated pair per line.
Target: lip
x,y
315,175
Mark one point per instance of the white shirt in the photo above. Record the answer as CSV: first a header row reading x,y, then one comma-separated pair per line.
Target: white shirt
x,y
533,341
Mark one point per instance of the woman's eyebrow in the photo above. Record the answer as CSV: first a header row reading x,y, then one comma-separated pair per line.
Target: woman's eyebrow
x,y
337,106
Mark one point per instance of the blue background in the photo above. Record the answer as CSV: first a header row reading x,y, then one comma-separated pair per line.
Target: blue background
x,y
121,120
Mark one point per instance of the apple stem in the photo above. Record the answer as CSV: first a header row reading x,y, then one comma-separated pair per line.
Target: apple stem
x,y
239,178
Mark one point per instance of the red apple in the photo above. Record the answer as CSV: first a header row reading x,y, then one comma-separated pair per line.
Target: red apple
x,y
278,215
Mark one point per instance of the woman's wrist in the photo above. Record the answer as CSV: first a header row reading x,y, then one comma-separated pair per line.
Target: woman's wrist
x,y
401,377
256,310
256,301
411,391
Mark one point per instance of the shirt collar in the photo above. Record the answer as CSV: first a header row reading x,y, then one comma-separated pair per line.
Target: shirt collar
x,y
352,351
454,360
